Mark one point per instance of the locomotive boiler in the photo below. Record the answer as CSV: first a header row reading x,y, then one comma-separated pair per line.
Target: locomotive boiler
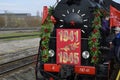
x,y
77,48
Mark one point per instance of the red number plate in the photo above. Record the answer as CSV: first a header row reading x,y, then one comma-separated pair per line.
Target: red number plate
x,y
85,70
68,46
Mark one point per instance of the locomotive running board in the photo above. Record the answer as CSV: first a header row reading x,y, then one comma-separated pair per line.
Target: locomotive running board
x,y
88,70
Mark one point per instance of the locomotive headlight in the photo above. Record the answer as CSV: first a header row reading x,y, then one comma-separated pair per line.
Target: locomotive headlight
x,y
85,54
51,53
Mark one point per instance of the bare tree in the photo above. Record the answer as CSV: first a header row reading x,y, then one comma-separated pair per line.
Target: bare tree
x,y
2,21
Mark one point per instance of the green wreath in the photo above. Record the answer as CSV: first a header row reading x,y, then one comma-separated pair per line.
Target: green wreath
x,y
94,37
45,31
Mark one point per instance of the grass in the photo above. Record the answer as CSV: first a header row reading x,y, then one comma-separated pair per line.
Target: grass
x,y
19,36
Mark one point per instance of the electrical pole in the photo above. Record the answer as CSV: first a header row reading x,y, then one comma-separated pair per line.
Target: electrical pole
x,y
6,18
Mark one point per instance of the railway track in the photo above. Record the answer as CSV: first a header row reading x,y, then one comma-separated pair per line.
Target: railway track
x,y
14,65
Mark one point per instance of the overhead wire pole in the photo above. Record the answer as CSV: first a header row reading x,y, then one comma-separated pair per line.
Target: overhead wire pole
x,y
57,0
6,18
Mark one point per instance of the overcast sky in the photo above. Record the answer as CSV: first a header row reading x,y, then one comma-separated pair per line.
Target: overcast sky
x,y
26,6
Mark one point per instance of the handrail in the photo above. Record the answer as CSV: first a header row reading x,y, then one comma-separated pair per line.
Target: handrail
x,y
118,76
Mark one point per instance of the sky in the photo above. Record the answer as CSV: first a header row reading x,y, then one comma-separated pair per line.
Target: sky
x,y
26,6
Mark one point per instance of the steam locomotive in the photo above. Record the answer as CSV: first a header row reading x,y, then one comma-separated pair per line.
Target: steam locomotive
x,y
69,49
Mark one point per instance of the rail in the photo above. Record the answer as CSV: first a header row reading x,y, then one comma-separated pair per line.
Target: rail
x,y
14,65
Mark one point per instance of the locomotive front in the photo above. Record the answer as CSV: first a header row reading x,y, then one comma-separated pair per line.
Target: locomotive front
x,y
70,57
